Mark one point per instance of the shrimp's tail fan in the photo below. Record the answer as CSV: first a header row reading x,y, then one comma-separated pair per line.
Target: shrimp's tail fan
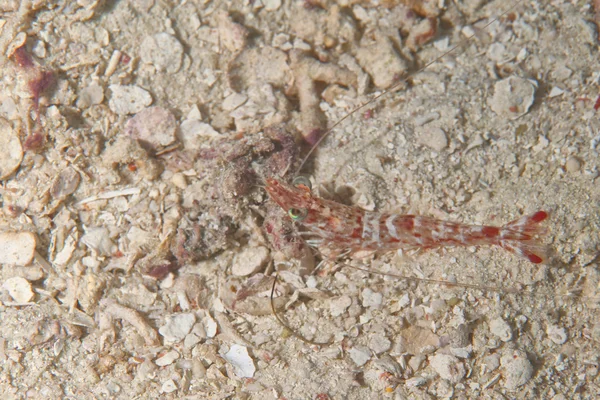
x,y
521,237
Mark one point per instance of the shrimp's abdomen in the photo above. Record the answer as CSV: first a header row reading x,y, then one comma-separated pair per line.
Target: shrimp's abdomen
x,y
383,232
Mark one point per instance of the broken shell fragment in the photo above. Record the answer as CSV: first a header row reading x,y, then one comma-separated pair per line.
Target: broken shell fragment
x,y
128,99
17,248
240,360
513,97
11,151
19,289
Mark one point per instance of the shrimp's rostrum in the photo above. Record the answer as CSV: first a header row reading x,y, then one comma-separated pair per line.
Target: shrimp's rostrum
x,y
339,228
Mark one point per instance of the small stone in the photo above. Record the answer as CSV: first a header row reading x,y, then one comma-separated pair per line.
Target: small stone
x,y
501,328
154,126
179,180
168,386
233,101
555,92
379,343
240,360
89,96
491,362
39,49
556,334
371,298
271,5
513,97
210,326
404,300
8,108
381,61
17,248
11,151
233,36
163,51
191,340
167,359
516,370
250,260
416,362
193,133
128,99
338,305
360,355
573,164
448,367
98,240
432,137
19,289
416,340
177,327
65,183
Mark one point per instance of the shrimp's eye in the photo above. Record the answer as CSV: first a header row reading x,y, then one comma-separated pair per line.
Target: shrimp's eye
x,y
297,214
302,180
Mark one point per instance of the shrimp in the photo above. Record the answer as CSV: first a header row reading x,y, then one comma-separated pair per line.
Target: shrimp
x,y
338,228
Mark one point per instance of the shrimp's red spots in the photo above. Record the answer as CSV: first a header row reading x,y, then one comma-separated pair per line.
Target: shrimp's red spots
x,y
407,223
539,216
490,231
535,258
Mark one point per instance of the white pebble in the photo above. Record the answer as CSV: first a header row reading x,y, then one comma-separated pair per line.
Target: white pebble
x,y
516,370
210,326
177,327
371,298
448,367
513,97
250,260
338,305
167,359
404,300
39,49
573,164
128,99
491,362
360,355
17,248
381,61
191,340
168,386
233,101
98,240
434,138
11,152
240,360
155,126
555,91
192,132
271,5
90,95
19,289
379,343
501,328
163,51
556,334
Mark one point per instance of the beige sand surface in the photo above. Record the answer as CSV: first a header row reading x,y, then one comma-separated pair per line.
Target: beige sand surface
x,y
146,279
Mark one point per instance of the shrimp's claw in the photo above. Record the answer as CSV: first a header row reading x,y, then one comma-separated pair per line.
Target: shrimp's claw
x,y
520,237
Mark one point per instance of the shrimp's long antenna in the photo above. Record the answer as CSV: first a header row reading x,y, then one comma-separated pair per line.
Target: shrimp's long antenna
x,y
396,85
